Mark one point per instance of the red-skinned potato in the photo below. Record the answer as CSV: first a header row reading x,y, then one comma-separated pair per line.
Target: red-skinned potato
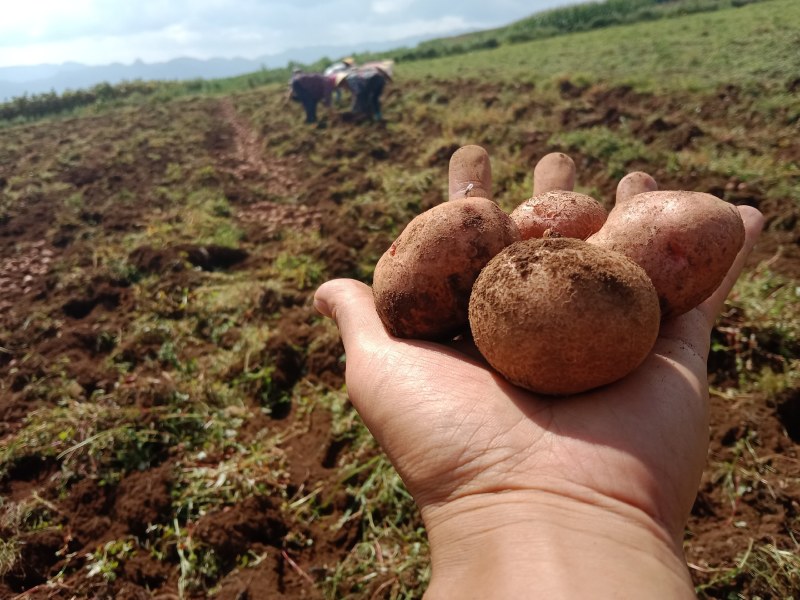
x,y
559,213
422,283
555,210
685,241
561,316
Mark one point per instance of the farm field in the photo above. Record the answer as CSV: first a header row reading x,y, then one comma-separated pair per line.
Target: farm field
x,y
173,416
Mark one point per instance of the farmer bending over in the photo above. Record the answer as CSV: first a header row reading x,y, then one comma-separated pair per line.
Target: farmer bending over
x,y
366,84
341,66
309,89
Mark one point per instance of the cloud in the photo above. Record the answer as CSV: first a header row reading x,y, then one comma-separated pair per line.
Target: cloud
x,y
402,29
28,21
384,7
150,46
103,31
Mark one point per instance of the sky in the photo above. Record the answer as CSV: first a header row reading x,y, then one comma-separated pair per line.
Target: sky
x,y
99,32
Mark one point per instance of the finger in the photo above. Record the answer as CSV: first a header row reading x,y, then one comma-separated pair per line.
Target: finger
x,y
554,171
352,307
470,173
634,183
753,223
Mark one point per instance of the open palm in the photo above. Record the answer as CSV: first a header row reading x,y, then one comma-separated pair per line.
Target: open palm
x,y
454,428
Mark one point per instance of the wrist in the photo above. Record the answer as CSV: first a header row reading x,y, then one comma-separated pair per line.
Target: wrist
x,y
537,544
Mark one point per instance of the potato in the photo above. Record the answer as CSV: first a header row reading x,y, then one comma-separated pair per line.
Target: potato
x,y
555,210
561,316
559,213
470,173
685,241
423,281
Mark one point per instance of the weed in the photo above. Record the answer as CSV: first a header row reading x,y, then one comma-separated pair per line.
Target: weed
x,y
742,471
122,271
74,202
614,149
32,514
174,173
167,355
303,271
198,564
778,570
771,571
9,553
207,176
393,550
762,330
201,488
98,439
105,561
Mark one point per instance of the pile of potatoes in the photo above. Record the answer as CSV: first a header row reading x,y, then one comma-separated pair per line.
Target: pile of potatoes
x,y
560,296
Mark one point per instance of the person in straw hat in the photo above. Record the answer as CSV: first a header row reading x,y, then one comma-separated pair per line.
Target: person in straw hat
x,y
341,66
366,83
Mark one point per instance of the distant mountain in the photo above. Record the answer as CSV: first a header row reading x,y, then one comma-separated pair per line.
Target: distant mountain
x,y
38,79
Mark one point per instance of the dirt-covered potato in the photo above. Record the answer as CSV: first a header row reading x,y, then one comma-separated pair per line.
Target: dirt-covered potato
x,y
554,209
559,213
561,316
423,281
685,241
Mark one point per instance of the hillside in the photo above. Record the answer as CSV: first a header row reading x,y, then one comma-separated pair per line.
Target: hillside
x,y
46,78
173,416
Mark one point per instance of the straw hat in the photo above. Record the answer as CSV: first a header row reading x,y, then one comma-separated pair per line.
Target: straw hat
x,y
348,61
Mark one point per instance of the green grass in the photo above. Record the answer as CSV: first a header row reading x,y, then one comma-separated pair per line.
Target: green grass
x,y
393,549
616,150
750,45
691,44
769,334
774,570
190,364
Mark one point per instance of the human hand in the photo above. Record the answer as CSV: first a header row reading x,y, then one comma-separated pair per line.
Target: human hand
x,y
514,487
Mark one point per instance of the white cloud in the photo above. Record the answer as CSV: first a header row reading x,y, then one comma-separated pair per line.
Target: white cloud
x,y
151,46
104,31
36,19
385,7
401,29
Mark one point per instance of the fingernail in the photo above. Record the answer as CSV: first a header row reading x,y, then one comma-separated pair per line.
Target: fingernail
x,y
322,306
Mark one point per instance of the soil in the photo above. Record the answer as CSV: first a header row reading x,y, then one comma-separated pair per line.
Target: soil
x,y
87,513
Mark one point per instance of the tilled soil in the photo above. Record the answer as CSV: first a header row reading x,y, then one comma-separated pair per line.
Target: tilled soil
x,y
49,317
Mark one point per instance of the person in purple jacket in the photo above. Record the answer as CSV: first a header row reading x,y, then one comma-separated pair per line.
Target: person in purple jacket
x,y
309,89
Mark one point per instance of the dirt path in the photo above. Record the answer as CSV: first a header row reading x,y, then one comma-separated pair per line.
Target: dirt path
x,y
247,144
245,158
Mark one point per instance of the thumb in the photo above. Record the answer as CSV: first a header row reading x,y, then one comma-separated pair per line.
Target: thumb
x,y
368,349
351,306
